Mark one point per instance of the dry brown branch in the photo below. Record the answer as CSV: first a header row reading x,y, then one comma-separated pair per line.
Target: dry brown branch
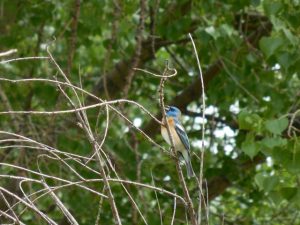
x,y
98,99
9,207
190,206
79,184
63,158
11,217
84,122
102,102
48,176
58,202
32,207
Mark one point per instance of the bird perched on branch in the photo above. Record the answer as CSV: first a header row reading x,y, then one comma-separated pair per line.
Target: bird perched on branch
x,y
179,137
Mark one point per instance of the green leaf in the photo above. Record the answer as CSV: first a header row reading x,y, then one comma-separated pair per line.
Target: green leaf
x,y
293,164
259,180
249,121
271,142
227,30
292,38
250,147
212,31
290,160
286,60
266,183
270,183
251,58
269,45
276,197
288,192
277,126
272,7
296,198
255,3
291,194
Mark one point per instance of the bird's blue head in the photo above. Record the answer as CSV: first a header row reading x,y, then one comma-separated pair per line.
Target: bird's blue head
x,y
172,111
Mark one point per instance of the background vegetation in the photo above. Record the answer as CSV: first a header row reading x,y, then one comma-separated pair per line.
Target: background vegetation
x,y
249,52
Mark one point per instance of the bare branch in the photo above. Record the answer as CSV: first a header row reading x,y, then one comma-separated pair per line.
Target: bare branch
x,y
9,52
202,133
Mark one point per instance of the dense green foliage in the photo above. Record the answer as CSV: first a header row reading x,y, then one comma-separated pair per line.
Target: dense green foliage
x,y
250,57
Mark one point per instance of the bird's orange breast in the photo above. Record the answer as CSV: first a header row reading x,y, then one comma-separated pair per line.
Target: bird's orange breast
x,y
170,121
175,137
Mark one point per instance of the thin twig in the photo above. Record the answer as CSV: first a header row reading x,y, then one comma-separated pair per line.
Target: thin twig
x,y
174,212
11,217
39,212
158,75
83,119
9,207
58,202
159,209
291,122
24,58
203,131
9,52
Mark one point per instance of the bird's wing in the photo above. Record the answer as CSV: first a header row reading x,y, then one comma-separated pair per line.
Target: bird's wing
x,y
182,135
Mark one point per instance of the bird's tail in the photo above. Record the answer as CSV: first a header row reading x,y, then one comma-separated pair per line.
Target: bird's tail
x,y
187,159
189,169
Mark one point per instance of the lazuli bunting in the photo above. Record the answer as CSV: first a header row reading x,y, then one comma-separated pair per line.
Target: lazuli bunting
x,y
179,137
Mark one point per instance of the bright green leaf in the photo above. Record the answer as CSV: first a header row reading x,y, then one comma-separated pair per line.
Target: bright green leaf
x,y
272,7
293,165
212,31
271,142
288,192
276,197
292,38
270,183
289,159
250,147
259,180
277,126
249,121
269,45
286,60
266,183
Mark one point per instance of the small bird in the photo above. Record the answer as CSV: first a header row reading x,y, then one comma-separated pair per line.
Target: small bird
x,y
179,137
